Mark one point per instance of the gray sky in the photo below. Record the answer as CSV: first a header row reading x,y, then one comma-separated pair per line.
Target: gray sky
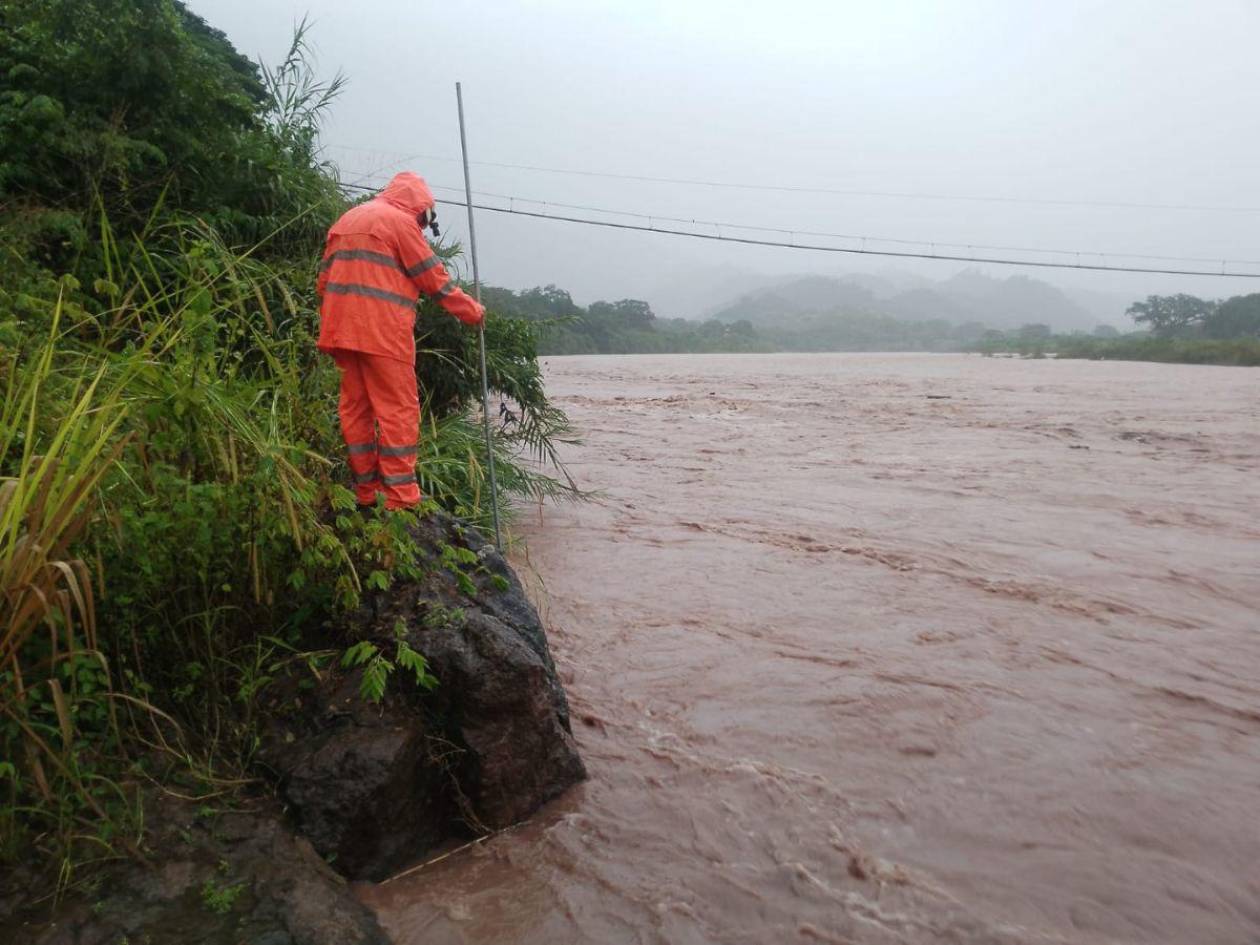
x,y
1108,101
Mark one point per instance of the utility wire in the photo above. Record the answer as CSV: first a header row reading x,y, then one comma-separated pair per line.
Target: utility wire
x,y
864,238
856,251
855,236
785,188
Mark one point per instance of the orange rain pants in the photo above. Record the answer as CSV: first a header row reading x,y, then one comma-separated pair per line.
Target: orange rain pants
x,y
376,265
380,419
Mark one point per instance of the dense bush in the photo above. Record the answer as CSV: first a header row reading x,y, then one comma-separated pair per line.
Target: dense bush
x,y
1132,347
1177,328
1187,316
1235,351
174,524
135,105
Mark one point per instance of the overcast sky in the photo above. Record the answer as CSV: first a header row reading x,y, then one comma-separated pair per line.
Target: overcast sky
x,y
1115,101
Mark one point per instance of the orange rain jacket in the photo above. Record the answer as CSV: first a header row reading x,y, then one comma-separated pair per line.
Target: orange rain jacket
x,y
376,264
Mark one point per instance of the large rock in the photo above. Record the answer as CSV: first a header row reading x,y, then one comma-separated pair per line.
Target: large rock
x,y
366,788
375,787
214,878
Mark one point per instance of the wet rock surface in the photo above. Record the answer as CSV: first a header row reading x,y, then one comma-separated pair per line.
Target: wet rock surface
x,y
375,787
214,878
354,789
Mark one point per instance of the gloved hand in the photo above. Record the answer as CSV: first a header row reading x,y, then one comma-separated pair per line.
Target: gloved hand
x,y
464,307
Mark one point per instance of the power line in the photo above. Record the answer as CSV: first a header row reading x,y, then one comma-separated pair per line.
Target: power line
x,y
864,238
855,236
785,188
856,251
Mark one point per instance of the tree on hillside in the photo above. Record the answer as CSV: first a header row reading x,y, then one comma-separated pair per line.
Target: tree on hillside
x,y
136,106
548,301
631,314
968,332
1172,316
1035,332
1238,317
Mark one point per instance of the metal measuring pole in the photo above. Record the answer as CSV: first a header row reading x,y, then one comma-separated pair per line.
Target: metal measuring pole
x,y
485,385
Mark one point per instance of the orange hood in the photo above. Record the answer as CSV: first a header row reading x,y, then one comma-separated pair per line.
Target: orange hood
x,y
408,191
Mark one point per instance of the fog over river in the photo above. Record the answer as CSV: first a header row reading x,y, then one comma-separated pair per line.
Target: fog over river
x,y
890,648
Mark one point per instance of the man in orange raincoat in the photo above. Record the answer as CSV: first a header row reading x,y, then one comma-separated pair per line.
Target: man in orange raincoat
x,y
376,264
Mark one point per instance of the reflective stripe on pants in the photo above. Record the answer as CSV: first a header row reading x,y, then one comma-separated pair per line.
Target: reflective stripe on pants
x,y
379,407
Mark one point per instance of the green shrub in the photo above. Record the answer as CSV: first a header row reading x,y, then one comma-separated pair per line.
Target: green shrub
x,y
169,438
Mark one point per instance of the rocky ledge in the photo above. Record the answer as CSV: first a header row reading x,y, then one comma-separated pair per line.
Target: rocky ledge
x,y
213,877
374,787
357,790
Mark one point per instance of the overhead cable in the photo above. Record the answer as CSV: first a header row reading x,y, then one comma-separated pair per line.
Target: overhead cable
x,y
855,236
788,188
850,250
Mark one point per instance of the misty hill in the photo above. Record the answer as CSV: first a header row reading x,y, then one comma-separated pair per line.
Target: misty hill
x,y
967,297
808,295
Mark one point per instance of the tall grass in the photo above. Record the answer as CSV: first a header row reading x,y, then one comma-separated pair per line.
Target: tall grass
x,y
54,697
174,527
175,522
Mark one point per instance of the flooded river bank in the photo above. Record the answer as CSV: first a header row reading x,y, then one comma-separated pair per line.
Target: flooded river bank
x,y
891,648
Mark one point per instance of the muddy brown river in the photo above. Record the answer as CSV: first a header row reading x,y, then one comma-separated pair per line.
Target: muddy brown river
x,y
890,649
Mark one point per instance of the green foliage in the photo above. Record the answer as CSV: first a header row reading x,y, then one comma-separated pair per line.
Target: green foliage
x,y
413,662
1182,329
443,618
629,326
376,669
1236,351
454,559
118,80
449,377
1035,332
56,713
1134,347
137,104
168,439
1238,317
1171,316
219,898
1185,316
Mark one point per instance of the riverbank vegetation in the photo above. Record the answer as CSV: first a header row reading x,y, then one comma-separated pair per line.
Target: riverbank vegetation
x,y
175,526
1134,347
1181,329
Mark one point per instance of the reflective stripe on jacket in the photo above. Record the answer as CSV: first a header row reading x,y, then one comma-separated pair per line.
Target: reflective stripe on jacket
x,y
376,264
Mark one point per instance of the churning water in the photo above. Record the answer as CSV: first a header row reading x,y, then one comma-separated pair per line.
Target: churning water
x,y
880,648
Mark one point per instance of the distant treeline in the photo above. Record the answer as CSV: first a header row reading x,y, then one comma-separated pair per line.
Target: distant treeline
x,y
629,326
1178,328
1174,328
1138,346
